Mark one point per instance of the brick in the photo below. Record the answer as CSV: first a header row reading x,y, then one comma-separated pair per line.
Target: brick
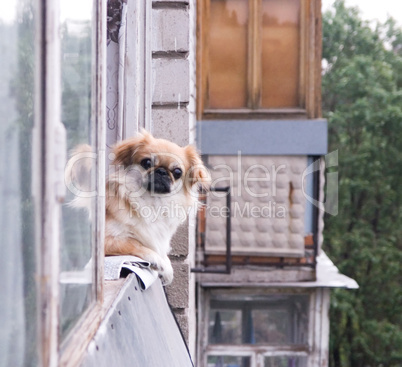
x,y
171,81
182,320
170,30
178,291
180,242
171,124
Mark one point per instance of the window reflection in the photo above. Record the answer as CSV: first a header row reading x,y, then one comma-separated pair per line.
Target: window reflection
x,y
228,361
277,319
77,289
17,213
254,52
228,54
285,361
225,326
280,53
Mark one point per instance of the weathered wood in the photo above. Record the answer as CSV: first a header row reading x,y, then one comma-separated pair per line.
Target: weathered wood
x,y
49,94
77,341
137,88
100,129
254,55
315,350
309,66
318,57
249,275
74,347
211,260
248,114
319,328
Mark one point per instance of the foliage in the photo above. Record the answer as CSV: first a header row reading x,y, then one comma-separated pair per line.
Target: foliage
x,y
362,100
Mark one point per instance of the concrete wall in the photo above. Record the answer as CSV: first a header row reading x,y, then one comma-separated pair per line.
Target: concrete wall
x,y
157,92
173,118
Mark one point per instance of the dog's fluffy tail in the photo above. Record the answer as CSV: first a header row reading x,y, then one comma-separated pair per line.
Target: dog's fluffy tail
x,y
79,177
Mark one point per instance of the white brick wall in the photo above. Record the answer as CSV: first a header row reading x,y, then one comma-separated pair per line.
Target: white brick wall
x,y
170,124
170,30
173,118
171,82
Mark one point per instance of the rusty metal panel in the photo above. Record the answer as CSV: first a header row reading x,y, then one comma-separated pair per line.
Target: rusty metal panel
x,y
138,330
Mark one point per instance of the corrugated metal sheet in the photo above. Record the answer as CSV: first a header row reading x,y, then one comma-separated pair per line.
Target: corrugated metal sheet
x,y
139,330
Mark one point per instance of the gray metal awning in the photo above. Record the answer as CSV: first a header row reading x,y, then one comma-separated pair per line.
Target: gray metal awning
x,y
263,137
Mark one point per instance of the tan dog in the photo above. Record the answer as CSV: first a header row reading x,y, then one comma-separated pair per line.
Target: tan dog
x,y
152,186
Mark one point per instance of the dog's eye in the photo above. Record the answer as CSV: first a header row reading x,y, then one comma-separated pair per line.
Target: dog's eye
x,y
146,163
177,172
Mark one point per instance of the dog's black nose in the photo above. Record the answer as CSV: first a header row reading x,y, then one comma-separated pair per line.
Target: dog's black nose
x,y
159,181
161,171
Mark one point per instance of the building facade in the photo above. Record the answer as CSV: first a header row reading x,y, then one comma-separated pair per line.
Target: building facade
x,y
241,80
262,134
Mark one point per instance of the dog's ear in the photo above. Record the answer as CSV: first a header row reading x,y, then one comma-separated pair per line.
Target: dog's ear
x,y
126,150
146,136
123,154
198,173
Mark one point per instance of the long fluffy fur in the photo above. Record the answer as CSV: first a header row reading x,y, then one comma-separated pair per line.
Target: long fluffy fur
x,y
140,221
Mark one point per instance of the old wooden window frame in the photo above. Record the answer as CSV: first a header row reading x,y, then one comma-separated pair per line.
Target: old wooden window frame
x,y
310,67
136,97
318,327
73,347
137,88
49,166
49,159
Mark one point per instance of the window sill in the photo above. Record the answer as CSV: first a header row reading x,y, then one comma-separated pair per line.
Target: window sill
x,y
249,114
74,347
111,290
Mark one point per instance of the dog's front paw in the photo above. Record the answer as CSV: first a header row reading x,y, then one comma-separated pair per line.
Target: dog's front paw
x,y
166,273
164,267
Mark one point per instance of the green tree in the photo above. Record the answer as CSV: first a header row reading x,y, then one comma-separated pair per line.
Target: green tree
x,y
362,100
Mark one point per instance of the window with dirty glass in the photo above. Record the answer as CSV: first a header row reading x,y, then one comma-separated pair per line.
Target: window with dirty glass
x,y
285,361
253,54
275,319
272,327
228,361
33,222
18,265
78,241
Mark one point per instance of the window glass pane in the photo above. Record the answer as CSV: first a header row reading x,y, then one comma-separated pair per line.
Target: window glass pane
x,y
77,289
281,324
271,319
225,326
285,361
271,326
17,263
228,361
283,320
227,61
280,53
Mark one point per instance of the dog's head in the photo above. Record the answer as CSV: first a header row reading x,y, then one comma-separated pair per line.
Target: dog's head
x,y
163,167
